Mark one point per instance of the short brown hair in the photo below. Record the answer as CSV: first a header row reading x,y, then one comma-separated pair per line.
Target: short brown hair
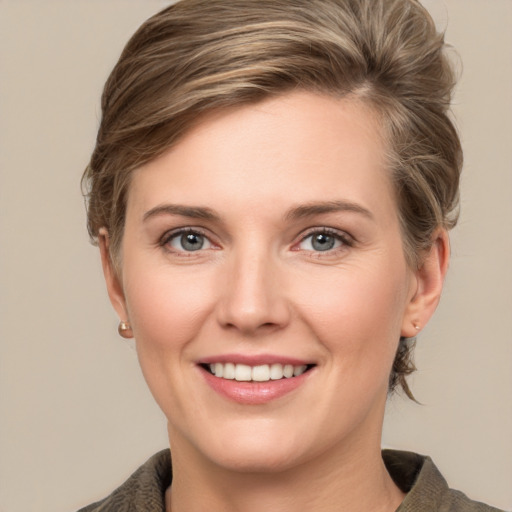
x,y
201,55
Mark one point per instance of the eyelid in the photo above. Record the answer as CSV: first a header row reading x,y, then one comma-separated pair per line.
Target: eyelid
x,y
173,233
346,239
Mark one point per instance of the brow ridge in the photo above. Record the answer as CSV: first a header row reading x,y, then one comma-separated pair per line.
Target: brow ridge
x,y
196,212
310,209
295,213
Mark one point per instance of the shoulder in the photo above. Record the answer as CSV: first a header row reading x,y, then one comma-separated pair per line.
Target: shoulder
x,y
144,491
416,475
426,488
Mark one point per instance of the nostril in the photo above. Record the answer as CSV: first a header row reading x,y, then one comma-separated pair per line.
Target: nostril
x,y
251,327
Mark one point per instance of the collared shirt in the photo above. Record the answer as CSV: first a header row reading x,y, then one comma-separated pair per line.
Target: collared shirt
x,y
416,475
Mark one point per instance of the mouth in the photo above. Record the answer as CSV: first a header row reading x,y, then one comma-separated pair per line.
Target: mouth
x,y
255,379
258,373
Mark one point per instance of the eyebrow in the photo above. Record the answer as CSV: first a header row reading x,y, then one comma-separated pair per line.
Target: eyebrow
x,y
195,212
310,209
298,212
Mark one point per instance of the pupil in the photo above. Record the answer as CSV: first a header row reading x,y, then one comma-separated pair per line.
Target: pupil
x,y
323,242
192,242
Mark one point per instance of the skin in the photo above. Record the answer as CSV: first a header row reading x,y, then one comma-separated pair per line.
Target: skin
x,y
259,286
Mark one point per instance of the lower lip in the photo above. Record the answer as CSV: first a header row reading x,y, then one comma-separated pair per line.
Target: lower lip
x,y
254,393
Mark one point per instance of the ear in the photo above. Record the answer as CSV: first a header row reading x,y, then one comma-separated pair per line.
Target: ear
x,y
427,285
114,286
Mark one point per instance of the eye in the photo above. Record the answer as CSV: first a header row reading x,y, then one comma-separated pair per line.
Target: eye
x,y
187,241
322,241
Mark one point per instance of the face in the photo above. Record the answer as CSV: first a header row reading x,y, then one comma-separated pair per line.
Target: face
x,y
264,277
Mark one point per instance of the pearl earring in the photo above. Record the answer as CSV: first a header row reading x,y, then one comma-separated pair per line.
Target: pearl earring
x,y
125,330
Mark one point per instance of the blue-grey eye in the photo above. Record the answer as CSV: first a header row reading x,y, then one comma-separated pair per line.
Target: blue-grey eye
x,y
320,242
189,242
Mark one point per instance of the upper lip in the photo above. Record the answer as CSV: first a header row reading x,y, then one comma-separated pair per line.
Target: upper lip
x,y
254,360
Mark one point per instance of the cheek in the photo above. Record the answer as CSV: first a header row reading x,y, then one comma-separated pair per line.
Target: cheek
x,y
166,307
167,311
357,312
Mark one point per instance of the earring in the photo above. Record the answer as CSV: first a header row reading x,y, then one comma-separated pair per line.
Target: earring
x,y
411,339
125,330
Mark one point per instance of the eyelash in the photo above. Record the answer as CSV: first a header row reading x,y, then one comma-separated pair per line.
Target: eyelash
x,y
171,235
344,238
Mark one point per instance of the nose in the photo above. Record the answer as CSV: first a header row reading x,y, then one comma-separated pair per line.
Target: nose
x,y
253,301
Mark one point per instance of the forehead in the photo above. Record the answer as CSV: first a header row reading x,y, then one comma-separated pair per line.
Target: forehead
x,y
298,147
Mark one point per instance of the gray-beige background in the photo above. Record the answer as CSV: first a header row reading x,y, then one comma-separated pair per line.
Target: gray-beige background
x,y
75,415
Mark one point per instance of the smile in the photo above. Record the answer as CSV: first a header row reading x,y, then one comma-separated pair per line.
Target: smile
x,y
255,380
259,373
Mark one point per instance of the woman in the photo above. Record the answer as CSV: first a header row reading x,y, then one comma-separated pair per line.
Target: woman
x,y
271,191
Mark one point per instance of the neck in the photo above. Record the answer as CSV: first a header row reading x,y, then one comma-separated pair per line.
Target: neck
x,y
352,479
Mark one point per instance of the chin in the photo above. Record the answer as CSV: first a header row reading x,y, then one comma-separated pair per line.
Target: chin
x,y
254,447
253,459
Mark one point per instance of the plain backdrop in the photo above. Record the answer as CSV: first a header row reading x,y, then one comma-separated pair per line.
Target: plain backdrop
x,y
76,417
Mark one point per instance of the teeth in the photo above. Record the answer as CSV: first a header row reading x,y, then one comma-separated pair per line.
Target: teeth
x,y
288,371
219,369
260,373
299,370
276,371
242,372
229,371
